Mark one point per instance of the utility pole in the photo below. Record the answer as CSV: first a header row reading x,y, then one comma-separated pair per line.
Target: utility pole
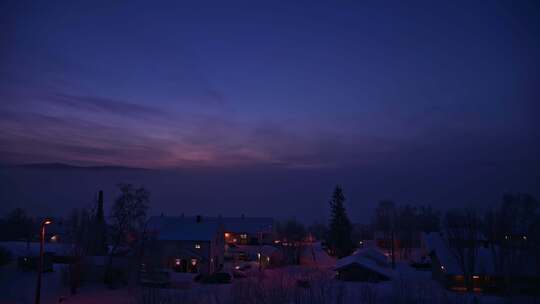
x,y
40,264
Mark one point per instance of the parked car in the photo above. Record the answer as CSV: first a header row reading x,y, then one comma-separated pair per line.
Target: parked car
x,y
154,278
216,278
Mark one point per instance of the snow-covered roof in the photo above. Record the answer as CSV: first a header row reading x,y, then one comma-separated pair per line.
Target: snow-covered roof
x,y
251,225
436,244
368,260
32,249
372,253
168,228
248,224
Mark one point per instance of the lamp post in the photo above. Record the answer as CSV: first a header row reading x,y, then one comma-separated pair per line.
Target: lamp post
x,y
40,265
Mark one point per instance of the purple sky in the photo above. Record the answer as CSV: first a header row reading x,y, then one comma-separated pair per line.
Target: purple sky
x,y
296,84
397,97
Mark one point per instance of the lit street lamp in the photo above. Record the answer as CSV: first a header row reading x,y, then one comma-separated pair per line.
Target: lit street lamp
x,y
40,265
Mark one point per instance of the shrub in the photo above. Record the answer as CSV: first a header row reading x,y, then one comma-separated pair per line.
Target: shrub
x,y
5,256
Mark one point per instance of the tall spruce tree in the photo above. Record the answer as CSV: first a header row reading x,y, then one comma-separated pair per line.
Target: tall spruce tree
x,y
339,236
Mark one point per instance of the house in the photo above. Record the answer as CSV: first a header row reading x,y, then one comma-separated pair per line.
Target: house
x,y
27,254
366,265
406,245
248,230
485,276
184,244
445,266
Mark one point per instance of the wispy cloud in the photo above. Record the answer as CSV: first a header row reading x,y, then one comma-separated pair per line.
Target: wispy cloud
x,y
104,104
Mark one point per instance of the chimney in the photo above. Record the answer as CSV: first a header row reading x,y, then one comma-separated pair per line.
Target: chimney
x,y
198,219
99,213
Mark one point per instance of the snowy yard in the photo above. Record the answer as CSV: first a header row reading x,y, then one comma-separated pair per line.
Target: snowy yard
x,y
292,284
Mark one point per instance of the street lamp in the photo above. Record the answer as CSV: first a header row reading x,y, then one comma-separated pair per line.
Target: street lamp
x,y
40,265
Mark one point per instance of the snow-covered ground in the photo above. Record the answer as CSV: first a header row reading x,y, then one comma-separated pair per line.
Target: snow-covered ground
x,y
291,284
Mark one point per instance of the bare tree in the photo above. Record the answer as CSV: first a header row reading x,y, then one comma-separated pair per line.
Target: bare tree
x,y
407,229
127,219
463,233
385,221
509,229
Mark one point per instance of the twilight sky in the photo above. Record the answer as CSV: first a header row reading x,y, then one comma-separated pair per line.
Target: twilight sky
x,y
292,83
393,96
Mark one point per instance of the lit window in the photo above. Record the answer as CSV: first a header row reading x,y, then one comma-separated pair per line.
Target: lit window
x,y
177,262
243,236
476,277
54,238
198,246
193,262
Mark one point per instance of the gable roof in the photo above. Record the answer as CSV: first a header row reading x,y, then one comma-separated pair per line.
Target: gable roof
x,y
168,228
484,263
368,259
250,225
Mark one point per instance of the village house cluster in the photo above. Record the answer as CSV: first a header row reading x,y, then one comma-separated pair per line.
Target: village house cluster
x,y
169,251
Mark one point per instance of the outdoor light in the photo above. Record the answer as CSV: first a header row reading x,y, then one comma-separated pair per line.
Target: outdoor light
x,y
237,267
227,235
475,277
525,237
193,262
442,267
177,262
40,265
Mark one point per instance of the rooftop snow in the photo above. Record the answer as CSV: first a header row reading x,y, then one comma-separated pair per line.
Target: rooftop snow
x,y
183,228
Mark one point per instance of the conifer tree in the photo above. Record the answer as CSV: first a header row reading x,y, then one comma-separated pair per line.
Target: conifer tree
x,y
339,235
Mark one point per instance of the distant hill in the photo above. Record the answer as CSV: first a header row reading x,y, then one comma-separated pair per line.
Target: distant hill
x,y
63,166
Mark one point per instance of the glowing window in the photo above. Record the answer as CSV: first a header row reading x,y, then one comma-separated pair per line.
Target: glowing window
x,y
198,246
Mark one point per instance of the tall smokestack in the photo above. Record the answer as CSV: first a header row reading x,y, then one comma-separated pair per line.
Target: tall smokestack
x,y
99,213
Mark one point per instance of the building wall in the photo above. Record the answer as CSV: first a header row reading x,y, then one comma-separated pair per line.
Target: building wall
x,y
244,238
178,255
